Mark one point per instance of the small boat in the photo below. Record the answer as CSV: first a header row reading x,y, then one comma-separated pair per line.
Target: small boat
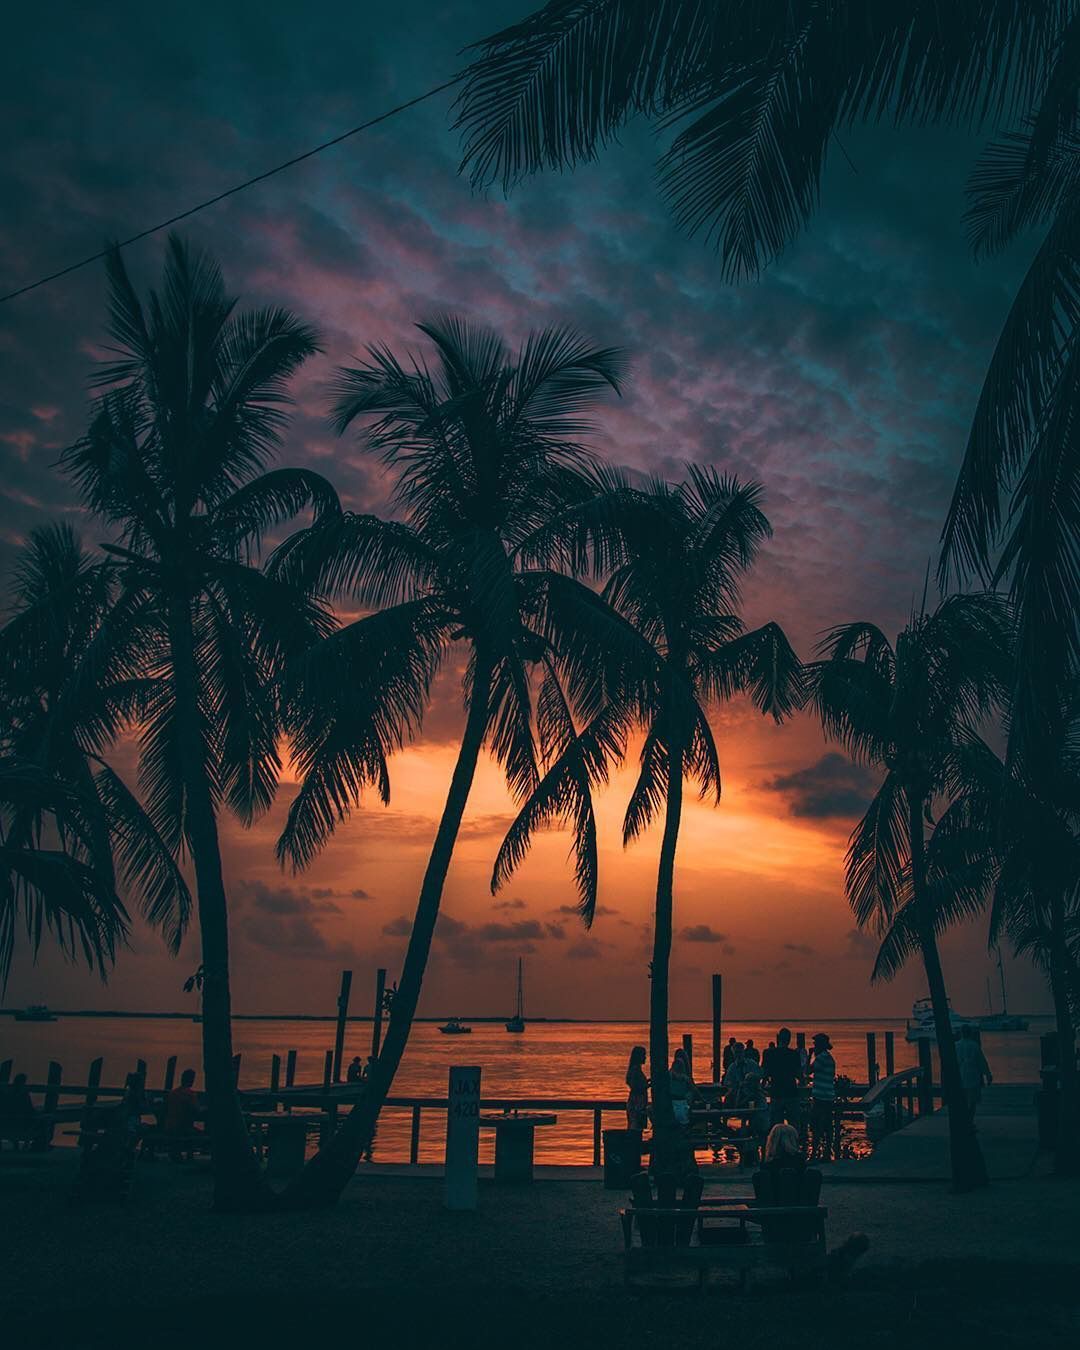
x,y
921,1027
1003,1020
455,1027
517,1022
37,1012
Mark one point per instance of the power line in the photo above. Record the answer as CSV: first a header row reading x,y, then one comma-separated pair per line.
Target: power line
x,y
229,192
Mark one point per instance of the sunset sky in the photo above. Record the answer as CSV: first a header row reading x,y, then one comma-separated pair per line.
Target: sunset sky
x,y
844,380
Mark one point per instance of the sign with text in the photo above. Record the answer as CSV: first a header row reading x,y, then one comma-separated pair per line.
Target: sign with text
x,y
462,1137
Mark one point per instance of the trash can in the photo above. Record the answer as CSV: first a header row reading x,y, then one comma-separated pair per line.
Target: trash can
x,y
622,1157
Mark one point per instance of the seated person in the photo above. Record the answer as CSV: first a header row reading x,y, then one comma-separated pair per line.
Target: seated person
x,y
182,1106
18,1112
783,1149
355,1072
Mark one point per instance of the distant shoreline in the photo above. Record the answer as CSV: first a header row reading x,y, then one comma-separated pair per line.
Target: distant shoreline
x,y
495,1018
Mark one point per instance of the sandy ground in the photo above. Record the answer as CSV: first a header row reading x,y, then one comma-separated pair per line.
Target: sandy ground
x,y
532,1267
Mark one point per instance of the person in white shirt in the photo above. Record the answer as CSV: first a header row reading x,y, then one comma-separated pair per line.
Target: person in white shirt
x,y
974,1070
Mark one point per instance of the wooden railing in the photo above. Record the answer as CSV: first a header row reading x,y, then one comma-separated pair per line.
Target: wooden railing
x,y
900,1096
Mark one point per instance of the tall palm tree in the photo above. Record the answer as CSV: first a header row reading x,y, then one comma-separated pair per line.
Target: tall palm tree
x,y
192,408
755,93
486,450
674,557
910,709
64,708
53,878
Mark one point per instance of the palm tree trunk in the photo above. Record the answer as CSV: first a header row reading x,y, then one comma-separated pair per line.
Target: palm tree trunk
x,y
1067,1154
968,1167
238,1182
329,1172
664,1130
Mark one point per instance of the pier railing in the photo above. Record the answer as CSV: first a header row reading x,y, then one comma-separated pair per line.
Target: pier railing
x,y
898,1099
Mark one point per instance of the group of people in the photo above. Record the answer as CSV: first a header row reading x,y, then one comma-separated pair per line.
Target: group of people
x,y
770,1087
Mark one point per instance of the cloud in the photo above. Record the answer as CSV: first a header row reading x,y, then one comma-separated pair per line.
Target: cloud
x,y
516,903
556,931
399,927
830,788
799,948
286,899
294,934
701,932
585,949
861,946
521,931
601,911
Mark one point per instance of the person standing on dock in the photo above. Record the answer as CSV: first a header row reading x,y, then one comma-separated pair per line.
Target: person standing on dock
x,y
355,1072
729,1052
781,1067
974,1070
637,1085
822,1097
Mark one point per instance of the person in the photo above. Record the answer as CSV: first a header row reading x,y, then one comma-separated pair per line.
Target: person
x,y
729,1053
682,1088
750,1095
974,1070
637,1098
17,1110
783,1148
822,1096
781,1067
734,1073
355,1072
751,1051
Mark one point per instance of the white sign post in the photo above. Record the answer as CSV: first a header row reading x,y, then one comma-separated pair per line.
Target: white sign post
x,y
462,1137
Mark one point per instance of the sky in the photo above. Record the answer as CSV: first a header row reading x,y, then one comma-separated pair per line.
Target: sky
x,y
843,381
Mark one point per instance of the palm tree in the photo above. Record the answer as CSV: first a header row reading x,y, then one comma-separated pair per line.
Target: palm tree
x,y
487,455
67,890
192,408
756,94
674,558
910,709
63,709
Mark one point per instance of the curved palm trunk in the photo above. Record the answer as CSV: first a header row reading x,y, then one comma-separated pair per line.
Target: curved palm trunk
x,y
1067,1157
329,1172
238,1182
968,1167
664,1132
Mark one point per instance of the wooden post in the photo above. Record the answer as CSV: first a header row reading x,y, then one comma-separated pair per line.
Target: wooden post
x,y
236,1068
5,1072
462,1137
597,1132
871,1058
926,1078
328,1070
170,1074
717,1028
52,1093
140,1069
414,1136
93,1078
290,1068
342,1014
376,1021
890,1053
688,1047
275,1075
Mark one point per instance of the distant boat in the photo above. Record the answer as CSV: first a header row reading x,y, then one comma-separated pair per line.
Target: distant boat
x,y
455,1027
1003,1020
37,1012
517,1022
921,1027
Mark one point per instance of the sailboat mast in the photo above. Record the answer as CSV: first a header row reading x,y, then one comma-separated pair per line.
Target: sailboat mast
x,y
1001,972
520,996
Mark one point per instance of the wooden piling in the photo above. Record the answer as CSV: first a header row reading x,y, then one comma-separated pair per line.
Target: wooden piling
x,y
52,1093
290,1068
926,1078
688,1047
342,1014
597,1134
93,1079
170,1074
414,1136
717,1028
140,1069
376,1021
871,1058
275,1074
328,1070
5,1072
236,1068
890,1053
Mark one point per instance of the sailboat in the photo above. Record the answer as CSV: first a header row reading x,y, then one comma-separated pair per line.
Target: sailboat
x,y
517,1022
1004,1020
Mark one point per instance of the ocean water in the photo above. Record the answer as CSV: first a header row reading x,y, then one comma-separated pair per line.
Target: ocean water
x,y
551,1059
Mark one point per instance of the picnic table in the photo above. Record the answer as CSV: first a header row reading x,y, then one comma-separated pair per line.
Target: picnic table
x,y
514,1140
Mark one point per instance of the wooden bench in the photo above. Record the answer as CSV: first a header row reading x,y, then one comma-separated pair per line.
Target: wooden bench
x,y
33,1132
